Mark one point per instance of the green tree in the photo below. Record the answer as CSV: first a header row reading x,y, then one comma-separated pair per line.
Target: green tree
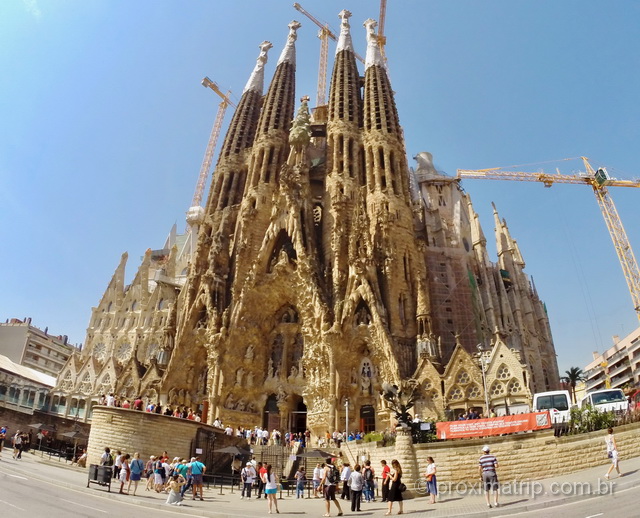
x,y
573,376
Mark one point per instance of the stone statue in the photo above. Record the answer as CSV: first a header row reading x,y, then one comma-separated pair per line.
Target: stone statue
x,y
239,374
249,382
229,402
270,369
249,354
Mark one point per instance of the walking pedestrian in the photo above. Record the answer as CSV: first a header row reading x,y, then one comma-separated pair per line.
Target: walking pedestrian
x,y
158,475
270,489
432,483
385,480
301,478
489,476
612,453
356,484
344,477
330,480
196,470
183,469
149,473
369,480
137,468
125,472
261,471
317,477
248,475
117,465
17,445
395,489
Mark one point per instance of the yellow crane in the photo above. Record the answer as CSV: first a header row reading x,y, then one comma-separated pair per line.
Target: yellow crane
x,y
599,181
213,139
382,39
324,34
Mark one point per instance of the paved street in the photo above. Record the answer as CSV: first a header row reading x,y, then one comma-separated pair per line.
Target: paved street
x,y
39,488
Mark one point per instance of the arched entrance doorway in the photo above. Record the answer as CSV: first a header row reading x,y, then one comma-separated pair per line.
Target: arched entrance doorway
x,y
271,415
298,415
367,418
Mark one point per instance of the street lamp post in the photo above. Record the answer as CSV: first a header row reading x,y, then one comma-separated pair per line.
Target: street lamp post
x,y
346,419
484,378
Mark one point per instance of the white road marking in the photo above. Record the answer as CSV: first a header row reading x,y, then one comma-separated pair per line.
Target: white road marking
x,y
594,515
76,503
3,502
17,476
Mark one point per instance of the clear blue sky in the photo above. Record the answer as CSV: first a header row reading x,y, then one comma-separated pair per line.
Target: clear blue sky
x,y
104,123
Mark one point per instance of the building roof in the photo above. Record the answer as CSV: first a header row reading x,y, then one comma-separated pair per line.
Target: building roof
x,y
26,372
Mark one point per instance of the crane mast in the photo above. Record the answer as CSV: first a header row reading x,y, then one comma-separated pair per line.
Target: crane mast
x,y
213,139
324,34
599,181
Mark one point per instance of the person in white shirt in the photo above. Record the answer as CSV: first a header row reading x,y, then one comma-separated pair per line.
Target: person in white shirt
x,y
344,476
248,475
228,430
318,473
217,423
111,400
356,484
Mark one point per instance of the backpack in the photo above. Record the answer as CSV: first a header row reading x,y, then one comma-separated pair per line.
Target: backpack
x,y
368,474
333,475
108,461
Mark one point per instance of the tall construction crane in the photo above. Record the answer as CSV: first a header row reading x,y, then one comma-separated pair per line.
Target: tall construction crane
x,y
382,39
213,139
599,181
324,34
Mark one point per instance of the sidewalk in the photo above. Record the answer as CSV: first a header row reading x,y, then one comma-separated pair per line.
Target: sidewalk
x,y
461,500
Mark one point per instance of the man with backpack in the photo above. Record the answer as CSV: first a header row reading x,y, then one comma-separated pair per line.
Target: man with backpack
x,y
369,477
330,480
248,475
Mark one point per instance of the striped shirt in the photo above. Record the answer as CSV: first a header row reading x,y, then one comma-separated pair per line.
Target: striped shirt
x,y
488,462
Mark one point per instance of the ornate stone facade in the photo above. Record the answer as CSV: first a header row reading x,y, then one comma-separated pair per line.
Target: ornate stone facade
x,y
324,266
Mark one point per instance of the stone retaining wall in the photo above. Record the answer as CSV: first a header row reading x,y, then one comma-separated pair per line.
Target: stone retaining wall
x,y
529,456
149,434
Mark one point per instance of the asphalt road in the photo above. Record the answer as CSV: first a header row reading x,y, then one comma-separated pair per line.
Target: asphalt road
x,y
622,504
23,496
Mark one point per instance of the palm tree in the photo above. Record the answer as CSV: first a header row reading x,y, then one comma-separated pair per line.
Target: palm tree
x,y
573,376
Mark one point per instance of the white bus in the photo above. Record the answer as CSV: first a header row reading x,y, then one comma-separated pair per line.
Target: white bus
x,y
606,400
557,402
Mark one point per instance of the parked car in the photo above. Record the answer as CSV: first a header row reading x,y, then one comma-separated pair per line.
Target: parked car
x,y
557,402
606,400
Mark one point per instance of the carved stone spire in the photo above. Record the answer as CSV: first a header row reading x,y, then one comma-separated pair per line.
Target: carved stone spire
x,y
374,56
256,80
289,52
344,40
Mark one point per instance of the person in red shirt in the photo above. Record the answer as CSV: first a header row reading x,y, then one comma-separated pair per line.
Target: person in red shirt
x,y
262,470
385,480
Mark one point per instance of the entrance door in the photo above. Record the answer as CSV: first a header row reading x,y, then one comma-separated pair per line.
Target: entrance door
x,y
298,419
367,418
271,418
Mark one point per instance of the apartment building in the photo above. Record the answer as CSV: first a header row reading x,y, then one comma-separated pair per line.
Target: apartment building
x,y
617,366
32,347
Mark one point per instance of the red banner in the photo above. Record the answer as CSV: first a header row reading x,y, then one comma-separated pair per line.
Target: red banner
x,y
493,425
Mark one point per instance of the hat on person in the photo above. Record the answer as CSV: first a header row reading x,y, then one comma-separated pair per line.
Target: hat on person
x,y
248,464
153,457
485,448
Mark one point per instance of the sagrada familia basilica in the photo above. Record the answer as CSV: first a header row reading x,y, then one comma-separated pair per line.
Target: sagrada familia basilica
x,y
321,267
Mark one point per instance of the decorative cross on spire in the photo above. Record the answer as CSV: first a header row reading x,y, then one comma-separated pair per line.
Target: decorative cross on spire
x,y
344,40
289,51
256,80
